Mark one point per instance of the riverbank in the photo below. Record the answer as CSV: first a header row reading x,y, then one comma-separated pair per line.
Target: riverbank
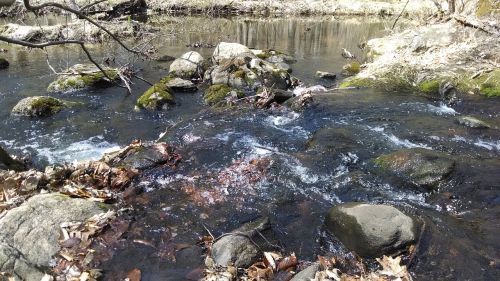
x,y
291,7
449,55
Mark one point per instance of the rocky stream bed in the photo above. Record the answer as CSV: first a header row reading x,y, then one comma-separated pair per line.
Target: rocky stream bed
x,y
241,162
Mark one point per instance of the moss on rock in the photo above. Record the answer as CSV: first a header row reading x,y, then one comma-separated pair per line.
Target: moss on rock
x,y
85,76
218,93
429,87
155,97
39,106
352,68
357,82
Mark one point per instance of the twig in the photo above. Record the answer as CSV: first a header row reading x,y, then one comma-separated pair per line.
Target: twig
x,y
400,14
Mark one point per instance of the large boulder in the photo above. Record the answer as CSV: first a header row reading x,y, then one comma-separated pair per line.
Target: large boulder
x,y
8,163
82,76
30,233
239,246
371,230
226,50
188,66
421,167
39,106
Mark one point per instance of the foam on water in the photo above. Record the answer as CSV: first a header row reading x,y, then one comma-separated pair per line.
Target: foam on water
x,y
490,145
397,141
86,150
441,109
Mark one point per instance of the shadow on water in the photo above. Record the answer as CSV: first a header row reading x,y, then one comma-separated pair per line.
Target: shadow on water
x,y
242,163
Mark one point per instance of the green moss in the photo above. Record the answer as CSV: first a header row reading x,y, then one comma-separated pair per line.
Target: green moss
x,y
166,79
75,82
487,7
487,84
352,68
357,82
155,97
264,55
429,87
218,93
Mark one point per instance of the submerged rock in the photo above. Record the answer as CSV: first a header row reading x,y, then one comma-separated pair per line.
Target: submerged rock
x,y
472,122
4,64
39,106
82,76
418,166
326,75
371,230
143,156
9,163
30,233
188,66
239,247
155,98
332,140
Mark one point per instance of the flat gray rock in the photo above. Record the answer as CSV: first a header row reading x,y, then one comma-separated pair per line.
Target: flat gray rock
x,y
307,274
29,234
371,230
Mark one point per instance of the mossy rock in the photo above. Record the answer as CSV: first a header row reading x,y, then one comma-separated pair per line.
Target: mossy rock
x,y
417,166
352,68
155,98
217,93
487,83
357,82
40,106
429,87
84,76
4,64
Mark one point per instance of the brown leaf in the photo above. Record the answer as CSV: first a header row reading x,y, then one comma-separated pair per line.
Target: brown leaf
x,y
134,275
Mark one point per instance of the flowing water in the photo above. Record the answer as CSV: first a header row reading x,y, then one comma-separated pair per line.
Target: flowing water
x,y
240,163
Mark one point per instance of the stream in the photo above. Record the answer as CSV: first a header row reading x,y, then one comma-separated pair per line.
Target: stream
x,y
239,163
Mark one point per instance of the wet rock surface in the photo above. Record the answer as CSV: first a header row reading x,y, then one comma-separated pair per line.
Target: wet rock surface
x,y
371,230
29,235
8,163
241,247
181,85
421,167
472,122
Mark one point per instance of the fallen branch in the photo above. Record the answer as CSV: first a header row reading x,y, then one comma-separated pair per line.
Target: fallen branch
x,y
476,24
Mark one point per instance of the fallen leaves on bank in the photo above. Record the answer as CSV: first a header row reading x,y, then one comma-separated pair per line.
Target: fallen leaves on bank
x,y
102,180
274,266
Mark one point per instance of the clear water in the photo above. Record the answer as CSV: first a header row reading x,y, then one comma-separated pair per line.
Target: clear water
x,y
219,184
